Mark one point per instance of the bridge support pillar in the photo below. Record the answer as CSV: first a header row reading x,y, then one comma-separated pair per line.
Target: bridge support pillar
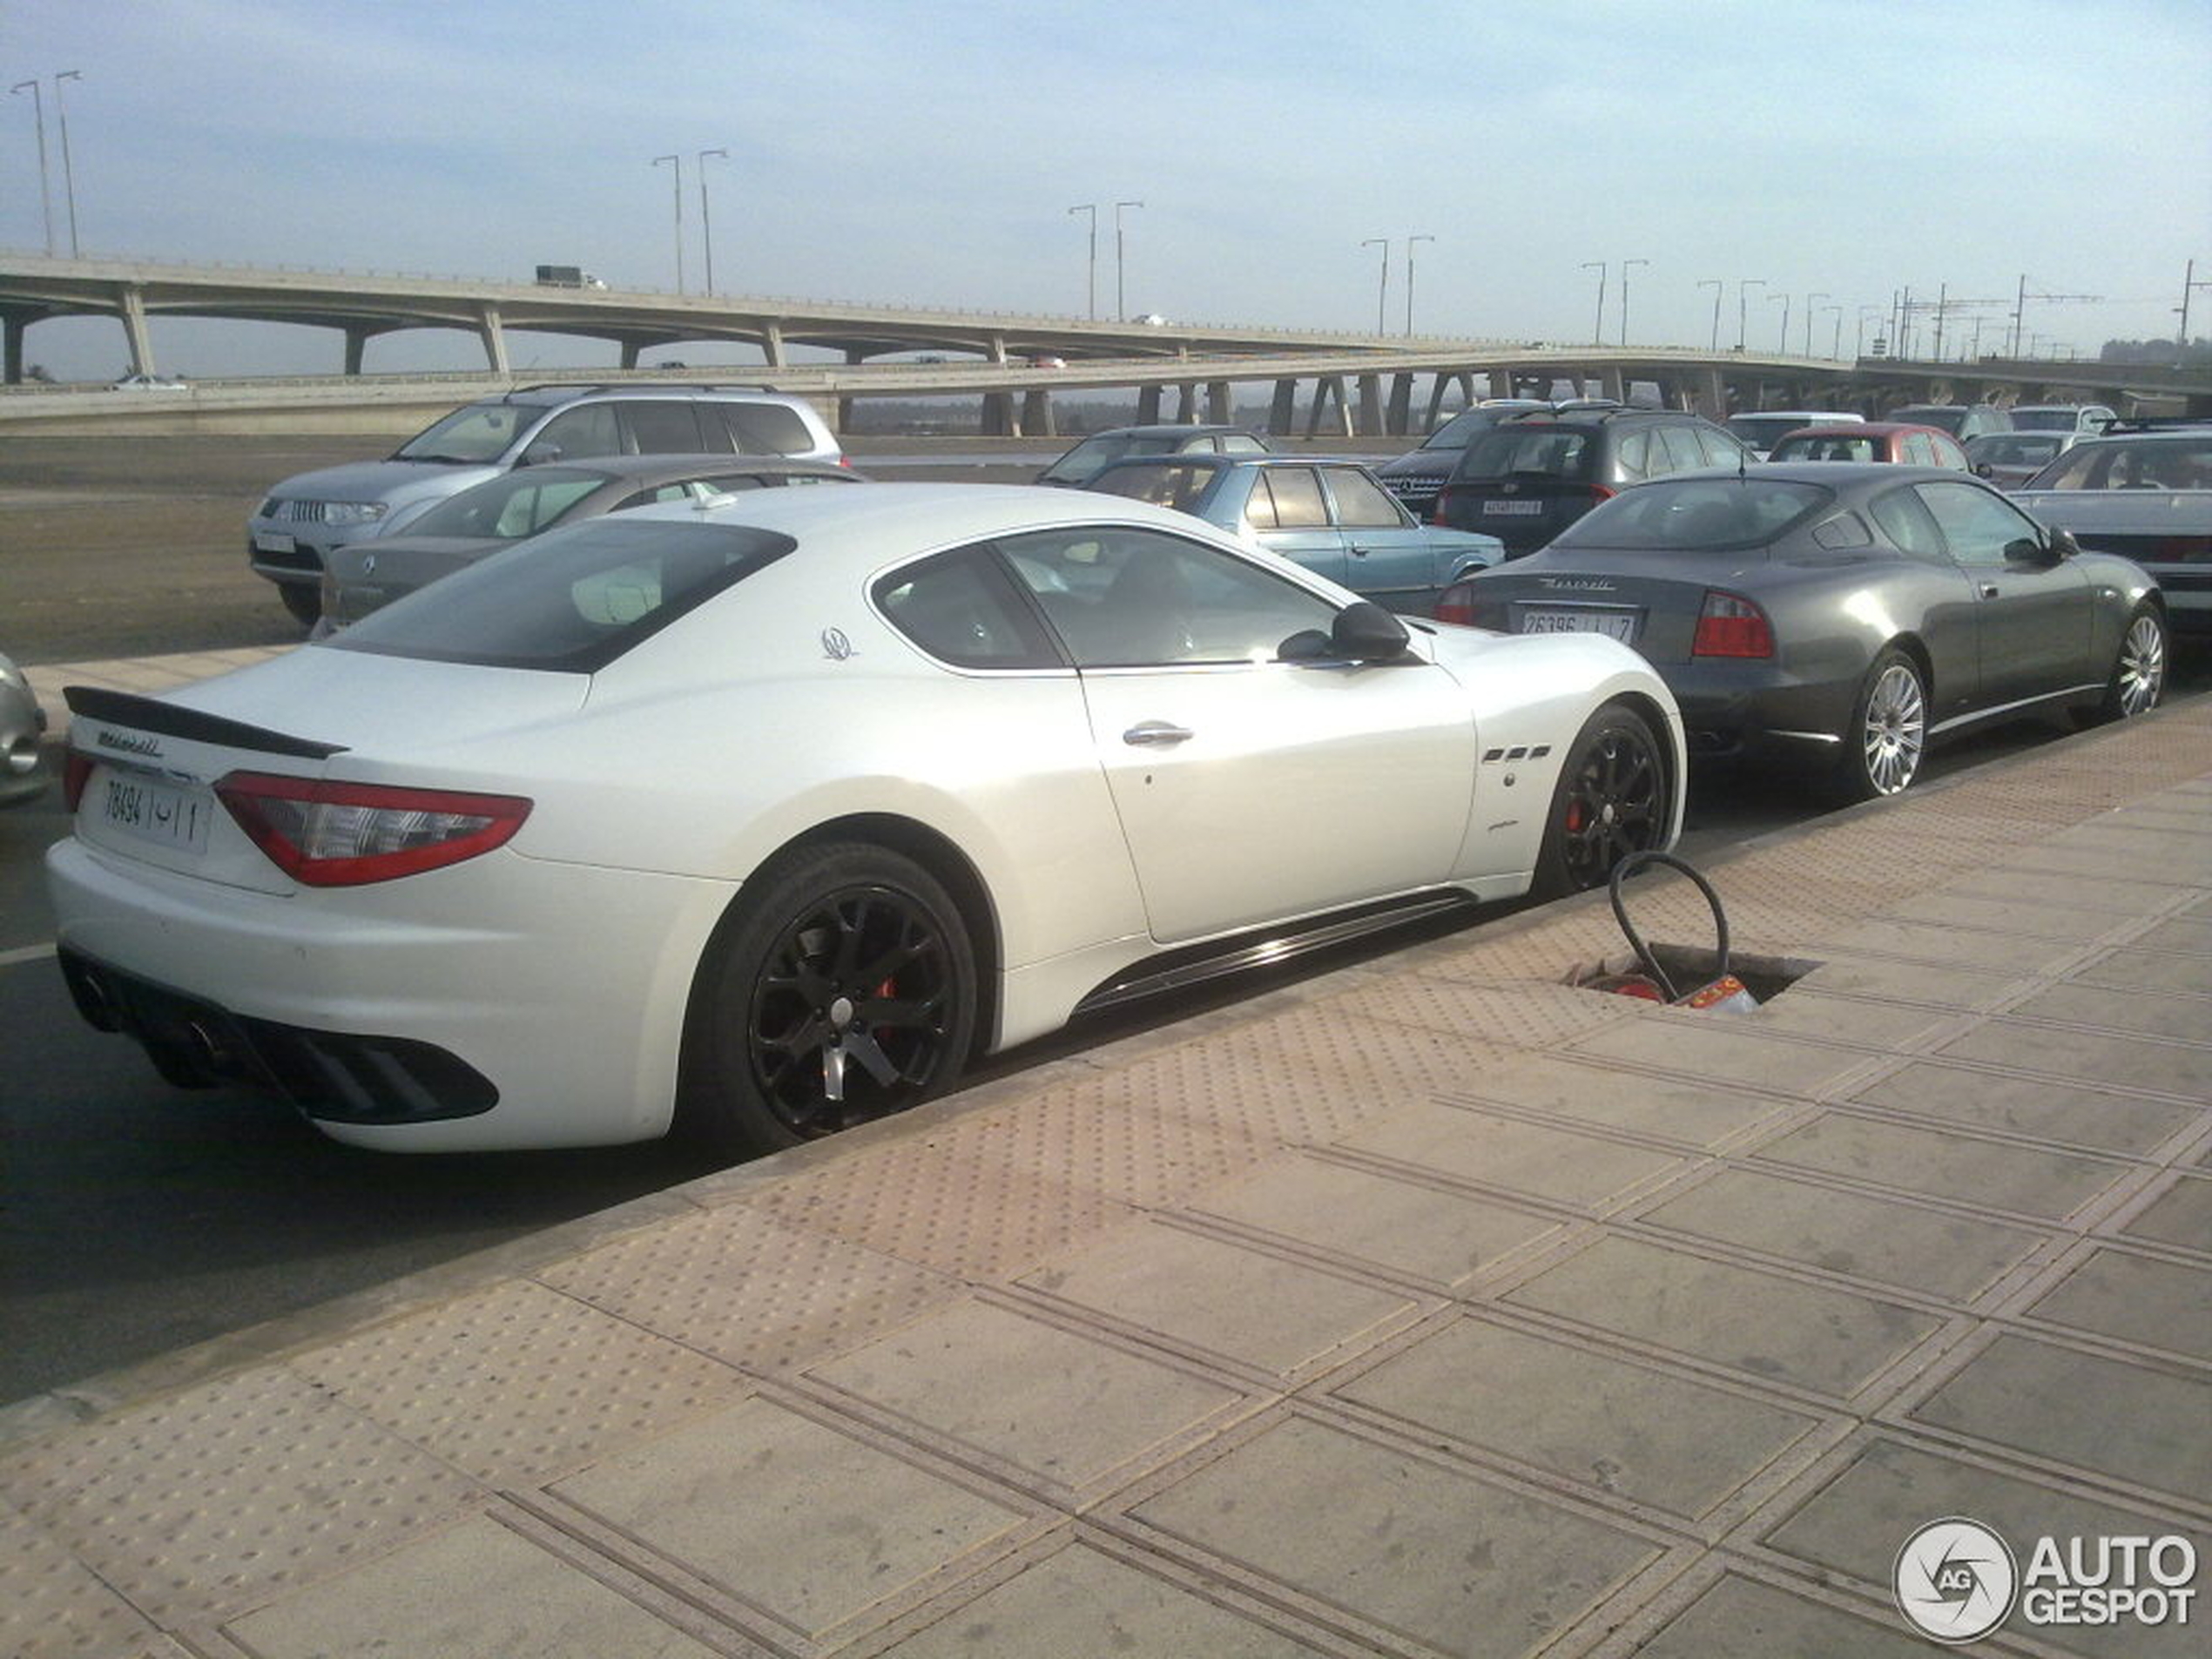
x,y
1371,406
13,326
997,343
1443,384
1221,406
132,302
1398,417
1614,384
1329,388
494,339
630,350
998,416
1148,404
1186,404
356,344
1282,416
1036,414
771,345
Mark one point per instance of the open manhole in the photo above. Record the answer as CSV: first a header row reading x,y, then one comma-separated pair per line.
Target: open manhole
x,y
1685,975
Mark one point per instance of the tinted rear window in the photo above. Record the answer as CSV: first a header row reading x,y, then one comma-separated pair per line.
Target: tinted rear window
x,y
520,504
2158,464
573,599
1683,515
1563,452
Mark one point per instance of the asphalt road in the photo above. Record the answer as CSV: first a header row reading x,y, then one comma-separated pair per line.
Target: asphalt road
x,y
135,1218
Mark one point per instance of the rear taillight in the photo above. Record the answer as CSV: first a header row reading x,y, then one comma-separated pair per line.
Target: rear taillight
x,y
325,834
77,770
1731,626
1600,492
1456,603
1436,513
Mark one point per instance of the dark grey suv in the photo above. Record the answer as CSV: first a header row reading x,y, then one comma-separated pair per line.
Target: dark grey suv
x,y
1530,477
307,515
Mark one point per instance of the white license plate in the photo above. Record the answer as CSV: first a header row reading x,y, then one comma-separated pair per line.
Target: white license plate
x,y
275,542
1617,624
155,812
1512,509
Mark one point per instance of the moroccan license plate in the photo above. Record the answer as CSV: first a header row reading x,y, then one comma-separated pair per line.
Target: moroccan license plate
x,y
155,812
275,542
1512,509
1617,624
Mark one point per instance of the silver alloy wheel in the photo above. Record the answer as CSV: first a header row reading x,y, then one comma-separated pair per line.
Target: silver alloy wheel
x,y
2141,672
1896,729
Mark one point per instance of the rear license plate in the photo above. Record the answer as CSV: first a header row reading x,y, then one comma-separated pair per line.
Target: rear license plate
x,y
155,812
275,542
1616,624
1512,509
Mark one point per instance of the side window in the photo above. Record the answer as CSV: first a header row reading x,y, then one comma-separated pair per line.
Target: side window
x,y
1131,598
1684,453
1979,526
1943,452
658,428
1905,520
1721,451
960,608
1241,443
1635,455
532,508
1259,504
1918,451
574,434
1298,498
761,429
1361,502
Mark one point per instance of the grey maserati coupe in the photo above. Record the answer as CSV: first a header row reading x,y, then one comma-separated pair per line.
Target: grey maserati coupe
x,y
1841,616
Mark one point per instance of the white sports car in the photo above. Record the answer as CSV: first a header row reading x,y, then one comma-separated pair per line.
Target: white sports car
x,y
762,818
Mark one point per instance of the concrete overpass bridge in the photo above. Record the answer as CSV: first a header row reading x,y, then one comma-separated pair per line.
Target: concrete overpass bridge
x,y
1359,383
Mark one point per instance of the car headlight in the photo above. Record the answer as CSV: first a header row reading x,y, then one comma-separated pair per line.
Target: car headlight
x,y
353,512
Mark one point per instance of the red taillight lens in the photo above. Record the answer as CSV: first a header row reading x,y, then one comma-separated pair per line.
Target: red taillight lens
x,y
1731,626
77,770
1436,513
326,834
1602,492
1456,604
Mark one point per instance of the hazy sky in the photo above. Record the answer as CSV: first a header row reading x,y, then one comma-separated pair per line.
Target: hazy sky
x,y
929,154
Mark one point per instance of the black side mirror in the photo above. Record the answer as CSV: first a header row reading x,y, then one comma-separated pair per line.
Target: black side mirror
x,y
1365,632
2063,545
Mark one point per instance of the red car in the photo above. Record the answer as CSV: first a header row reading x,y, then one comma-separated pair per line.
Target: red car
x,y
1898,440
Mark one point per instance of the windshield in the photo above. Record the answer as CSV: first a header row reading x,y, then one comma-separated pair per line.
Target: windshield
x,y
1828,446
1761,430
2045,420
1544,448
2013,449
1949,417
573,599
2166,463
480,432
521,503
1687,514
1167,484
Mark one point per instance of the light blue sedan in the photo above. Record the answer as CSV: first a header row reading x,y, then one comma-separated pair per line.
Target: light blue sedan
x,y
1334,517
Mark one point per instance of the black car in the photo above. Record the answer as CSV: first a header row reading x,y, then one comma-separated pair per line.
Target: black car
x,y
1839,614
1415,476
1531,475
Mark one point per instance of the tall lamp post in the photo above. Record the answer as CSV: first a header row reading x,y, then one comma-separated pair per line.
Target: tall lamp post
x,y
45,193
1809,300
1409,281
1782,344
678,163
1835,346
706,224
1091,288
68,174
1121,248
1743,312
1858,337
1597,332
1625,264
1719,286
1382,295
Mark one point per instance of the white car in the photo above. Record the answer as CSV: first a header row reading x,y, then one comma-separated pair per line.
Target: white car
x,y
762,816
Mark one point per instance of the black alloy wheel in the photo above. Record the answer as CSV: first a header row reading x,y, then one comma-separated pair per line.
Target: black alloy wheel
x,y
844,992
1611,800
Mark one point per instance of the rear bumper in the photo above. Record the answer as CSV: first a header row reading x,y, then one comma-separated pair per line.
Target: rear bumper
x,y
1753,710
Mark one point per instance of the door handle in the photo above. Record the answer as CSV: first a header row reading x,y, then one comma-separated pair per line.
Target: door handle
x,y
1156,734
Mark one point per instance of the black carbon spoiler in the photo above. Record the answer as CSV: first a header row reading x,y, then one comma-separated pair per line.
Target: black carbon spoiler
x,y
174,720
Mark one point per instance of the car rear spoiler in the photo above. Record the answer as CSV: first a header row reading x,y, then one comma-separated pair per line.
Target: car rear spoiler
x,y
174,720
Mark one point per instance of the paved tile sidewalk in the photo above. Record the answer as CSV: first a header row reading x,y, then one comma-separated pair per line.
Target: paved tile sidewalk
x,y
1430,1308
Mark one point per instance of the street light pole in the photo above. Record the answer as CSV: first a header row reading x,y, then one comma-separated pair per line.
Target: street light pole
x,y
1719,286
45,193
706,224
1121,246
1836,346
1809,300
1782,346
1382,296
1597,334
1743,312
69,174
1625,264
1091,289
1409,281
678,162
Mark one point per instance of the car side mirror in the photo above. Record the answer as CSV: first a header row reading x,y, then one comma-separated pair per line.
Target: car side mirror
x,y
1983,470
2062,545
1363,632
539,454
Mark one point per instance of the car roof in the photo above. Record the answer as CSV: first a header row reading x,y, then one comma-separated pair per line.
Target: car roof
x,y
1831,473
918,515
1868,430
1222,463
1168,429
646,468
